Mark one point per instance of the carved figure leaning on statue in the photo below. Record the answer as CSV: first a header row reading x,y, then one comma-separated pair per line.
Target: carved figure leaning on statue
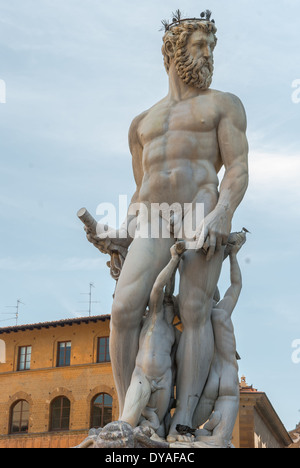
x,y
178,147
219,402
151,384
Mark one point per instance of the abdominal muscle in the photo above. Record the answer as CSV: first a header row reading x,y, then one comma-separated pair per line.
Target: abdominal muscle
x,y
186,182
156,342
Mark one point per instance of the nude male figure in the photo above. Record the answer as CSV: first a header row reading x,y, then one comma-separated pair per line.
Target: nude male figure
x,y
220,399
178,147
151,384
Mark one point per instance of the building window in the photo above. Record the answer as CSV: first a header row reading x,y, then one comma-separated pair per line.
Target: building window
x,y
101,410
19,417
64,354
24,358
103,350
60,414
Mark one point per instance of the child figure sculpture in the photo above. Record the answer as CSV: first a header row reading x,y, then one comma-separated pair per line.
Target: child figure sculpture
x,y
151,385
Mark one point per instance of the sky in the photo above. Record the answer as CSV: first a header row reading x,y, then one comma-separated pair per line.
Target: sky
x,y
76,73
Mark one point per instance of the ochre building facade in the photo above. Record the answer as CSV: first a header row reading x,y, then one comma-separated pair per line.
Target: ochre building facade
x,y
56,383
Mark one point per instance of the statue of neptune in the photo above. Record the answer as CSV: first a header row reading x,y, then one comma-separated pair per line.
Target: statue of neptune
x,y
178,147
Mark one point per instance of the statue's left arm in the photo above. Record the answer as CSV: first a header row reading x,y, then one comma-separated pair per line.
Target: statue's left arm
x,y
234,153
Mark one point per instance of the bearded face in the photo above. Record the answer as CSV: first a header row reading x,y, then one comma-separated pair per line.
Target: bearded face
x,y
191,50
195,72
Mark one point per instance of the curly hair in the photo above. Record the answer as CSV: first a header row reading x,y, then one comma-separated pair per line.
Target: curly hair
x,y
178,37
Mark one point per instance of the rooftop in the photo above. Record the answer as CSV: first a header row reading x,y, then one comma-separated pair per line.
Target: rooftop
x,y
54,324
244,387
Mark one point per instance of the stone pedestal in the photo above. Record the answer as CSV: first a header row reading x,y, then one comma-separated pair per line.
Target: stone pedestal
x,y
120,435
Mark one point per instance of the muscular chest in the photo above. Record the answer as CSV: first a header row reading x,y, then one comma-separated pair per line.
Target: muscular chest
x,y
192,115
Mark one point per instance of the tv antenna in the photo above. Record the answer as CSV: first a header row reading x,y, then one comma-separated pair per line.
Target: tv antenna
x,y
16,314
90,302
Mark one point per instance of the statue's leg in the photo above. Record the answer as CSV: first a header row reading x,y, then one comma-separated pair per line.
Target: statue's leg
x,y
160,399
152,419
228,401
198,282
208,398
137,397
145,260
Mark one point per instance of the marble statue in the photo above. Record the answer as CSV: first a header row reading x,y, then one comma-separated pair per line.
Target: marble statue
x,y
219,402
178,147
150,390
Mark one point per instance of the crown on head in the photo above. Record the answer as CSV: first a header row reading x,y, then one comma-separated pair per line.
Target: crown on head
x,y
177,19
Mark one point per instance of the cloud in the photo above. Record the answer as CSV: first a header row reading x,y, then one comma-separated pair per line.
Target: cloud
x,y
274,183
273,169
45,263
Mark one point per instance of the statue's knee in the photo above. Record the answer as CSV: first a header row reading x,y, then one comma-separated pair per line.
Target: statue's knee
x,y
118,315
123,317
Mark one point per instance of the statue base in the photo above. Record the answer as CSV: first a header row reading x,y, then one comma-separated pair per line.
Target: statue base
x,y
120,435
